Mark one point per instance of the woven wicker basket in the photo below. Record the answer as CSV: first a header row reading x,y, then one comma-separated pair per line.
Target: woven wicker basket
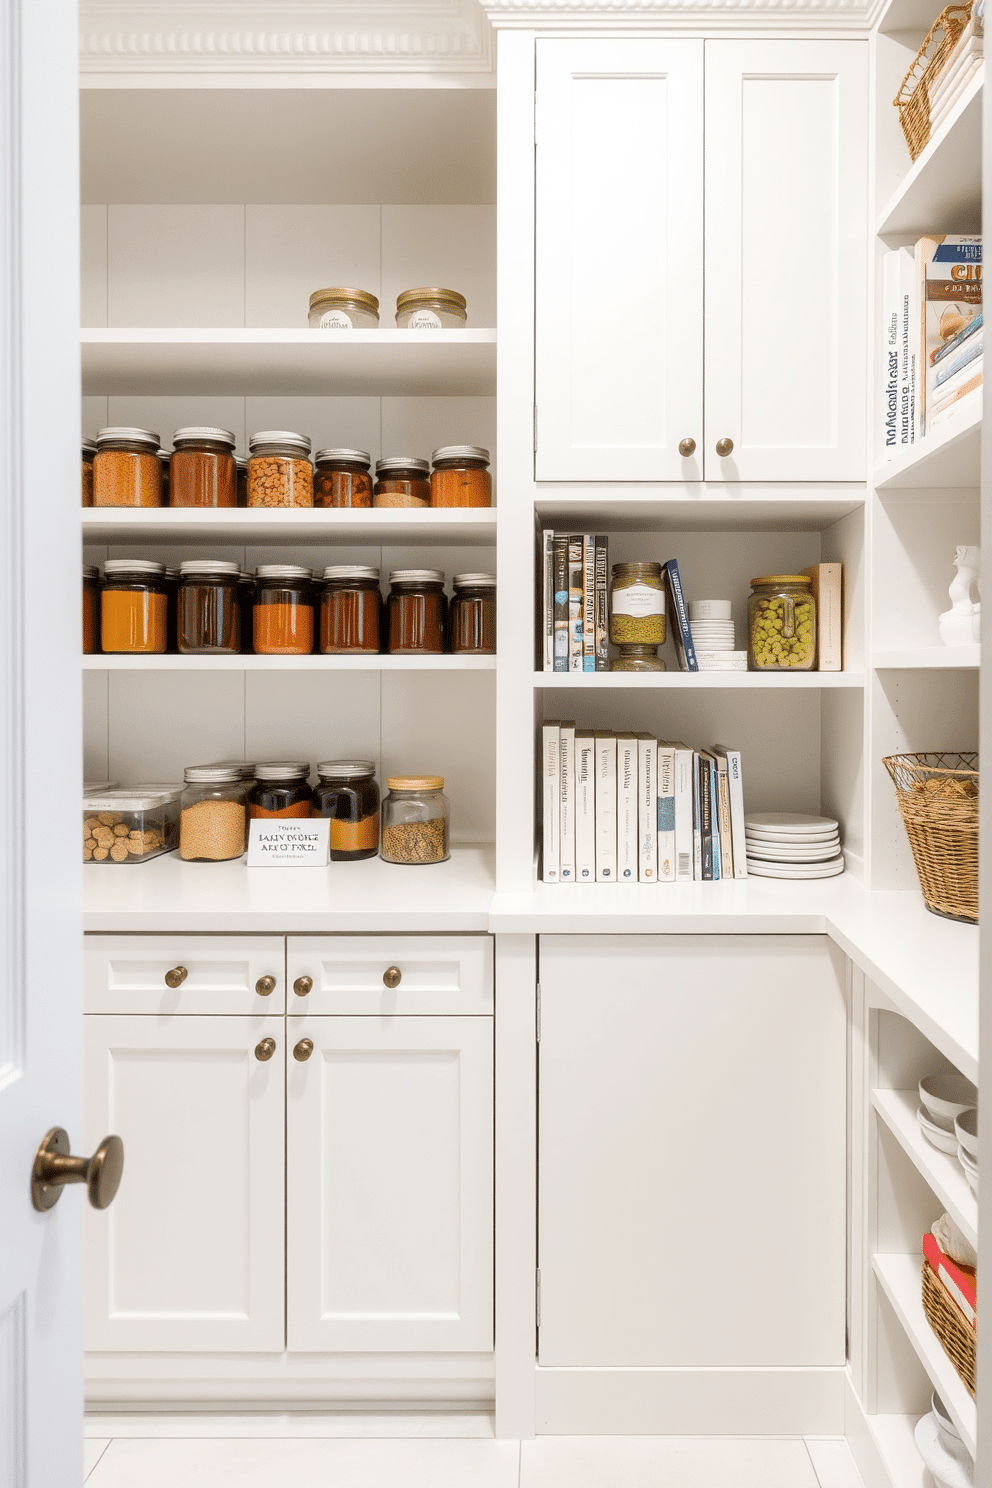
x,y
913,99
953,1333
938,799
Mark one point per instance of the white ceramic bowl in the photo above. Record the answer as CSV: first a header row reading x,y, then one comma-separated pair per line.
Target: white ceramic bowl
x,y
966,1131
944,1141
970,1167
709,609
942,1418
946,1096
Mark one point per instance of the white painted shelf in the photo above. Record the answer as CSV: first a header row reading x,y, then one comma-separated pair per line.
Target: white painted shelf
x,y
699,507
579,681
907,15
242,663
942,1171
942,190
950,459
322,527
929,658
893,1436
899,1277
292,362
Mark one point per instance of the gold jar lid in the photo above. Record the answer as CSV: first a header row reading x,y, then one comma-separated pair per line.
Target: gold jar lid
x,y
430,295
415,782
782,579
360,297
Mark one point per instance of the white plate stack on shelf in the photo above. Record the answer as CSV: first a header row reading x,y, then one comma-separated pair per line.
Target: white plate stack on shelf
x,y
712,630
946,1099
791,844
966,1132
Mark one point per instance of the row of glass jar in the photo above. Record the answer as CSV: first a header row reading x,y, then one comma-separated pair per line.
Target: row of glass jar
x,y
211,607
126,467
428,309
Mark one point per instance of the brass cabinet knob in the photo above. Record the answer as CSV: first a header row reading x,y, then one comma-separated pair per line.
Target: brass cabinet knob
x,y
176,976
303,1050
54,1167
724,447
265,986
265,1049
687,447
302,986
392,977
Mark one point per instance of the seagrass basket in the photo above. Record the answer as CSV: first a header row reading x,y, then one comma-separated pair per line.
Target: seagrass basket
x,y
913,98
956,1338
938,801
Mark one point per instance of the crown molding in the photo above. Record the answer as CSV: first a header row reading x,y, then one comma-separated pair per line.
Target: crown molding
x,y
823,16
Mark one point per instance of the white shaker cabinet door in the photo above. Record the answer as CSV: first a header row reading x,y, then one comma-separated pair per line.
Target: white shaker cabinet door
x,y
619,291
786,259
692,1151
190,1254
390,1185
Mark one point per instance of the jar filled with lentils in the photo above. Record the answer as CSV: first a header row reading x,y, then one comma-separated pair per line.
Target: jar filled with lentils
x,y
209,609
472,623
279,469
127,470
415,818
637,605
282,612
347,795
213,814
89,450
416,612
91,609
460,476
281,788
402,480
341,478
202,470
350,609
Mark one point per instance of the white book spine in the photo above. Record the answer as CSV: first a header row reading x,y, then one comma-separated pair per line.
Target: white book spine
x,y
962,408
683,816
909,345
666,814
647,810
735,780
551,775
585,807
606,808
566,756
548,592
626,808
891,433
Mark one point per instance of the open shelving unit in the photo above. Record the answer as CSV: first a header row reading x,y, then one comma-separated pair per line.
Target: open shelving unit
x,y
248,663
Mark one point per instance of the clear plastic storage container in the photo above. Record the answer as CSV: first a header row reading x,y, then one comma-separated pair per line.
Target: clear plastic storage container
x,y
130,825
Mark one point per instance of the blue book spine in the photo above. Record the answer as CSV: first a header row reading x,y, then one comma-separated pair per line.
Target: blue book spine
x,y
680,617
957,341
970,353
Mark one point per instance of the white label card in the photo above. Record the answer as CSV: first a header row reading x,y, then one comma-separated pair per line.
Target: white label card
x,y
275,841
638,599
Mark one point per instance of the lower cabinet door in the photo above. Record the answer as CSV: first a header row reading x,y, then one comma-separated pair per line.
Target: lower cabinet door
x,y
390,1184
190,1255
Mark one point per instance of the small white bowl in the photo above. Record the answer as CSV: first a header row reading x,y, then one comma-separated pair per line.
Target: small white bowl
x,y
942,1418
944,1141
709,609
966,1131
946,1096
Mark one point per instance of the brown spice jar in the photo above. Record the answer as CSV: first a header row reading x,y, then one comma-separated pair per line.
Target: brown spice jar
x,y
473,615
342,479
417,611
283,629
347,794
402,481
127,470
299,808
202,470
89,450
349,611
91,611
461,477
133,620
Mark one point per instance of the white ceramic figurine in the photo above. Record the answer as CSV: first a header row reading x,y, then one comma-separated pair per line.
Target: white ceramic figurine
x,y
961,624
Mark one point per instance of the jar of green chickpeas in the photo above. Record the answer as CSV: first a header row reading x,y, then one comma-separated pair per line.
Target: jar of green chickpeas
x,y
781,624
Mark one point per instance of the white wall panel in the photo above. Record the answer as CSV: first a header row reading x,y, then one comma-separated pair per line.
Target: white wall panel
x,y
94,415
330,423
323,716
162,721
418,426
96,726
445,724
93,266
291,251
176,266
454,247
165,415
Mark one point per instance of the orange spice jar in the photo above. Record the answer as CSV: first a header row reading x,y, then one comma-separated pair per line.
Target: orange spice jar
x,y
91,609
133,606
461,476
347,795
402,480
281,789
342,478
89,450
127,470
202,469
279,469
282,611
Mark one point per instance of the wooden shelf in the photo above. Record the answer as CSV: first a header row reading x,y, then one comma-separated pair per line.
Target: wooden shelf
x,y
780,681
195,360
701,507
949,459
929,658
942,191
385,527
289,663
942,1171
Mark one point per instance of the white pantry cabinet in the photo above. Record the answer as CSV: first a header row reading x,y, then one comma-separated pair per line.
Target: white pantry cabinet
x,y
637,195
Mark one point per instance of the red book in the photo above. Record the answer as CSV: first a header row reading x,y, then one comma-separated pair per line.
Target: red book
x,y
960,1282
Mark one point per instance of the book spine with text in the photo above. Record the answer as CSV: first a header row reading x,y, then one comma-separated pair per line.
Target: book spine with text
x,y
735,782
588,604
566,758
827,581
551,824
666,813
626,808
548,598
585,806
723,806
697,821
561,604
910,366
606,807
715,818
705,820
576,604
890,352
647,810
681,633
685,835
602,602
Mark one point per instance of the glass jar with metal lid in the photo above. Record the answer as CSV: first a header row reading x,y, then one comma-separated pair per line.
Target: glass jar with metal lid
x,y
416,612
343,310
350,610
402,480
430,309
460,476
346,794
213,814
415,817
637,659
127,470
88,452
246,604
91,609
781,624
164,458
281,788
282,612
133,613
202,469
245,769
341,478
279,469
209,610
241,466
637,605
172,611
473,615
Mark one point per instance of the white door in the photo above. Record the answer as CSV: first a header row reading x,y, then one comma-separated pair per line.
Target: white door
x,y
192,1256
41,1255
786,259
390,1184
619,292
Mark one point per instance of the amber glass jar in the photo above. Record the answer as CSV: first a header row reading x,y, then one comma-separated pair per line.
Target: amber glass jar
x,y
202,470
281,788
402,481
209,610
172,610
246,603
241,481
350,608
91,609
127,470
341,478
133,606
89,450
460,476
416,612
279,469
347,794
473,615
282,613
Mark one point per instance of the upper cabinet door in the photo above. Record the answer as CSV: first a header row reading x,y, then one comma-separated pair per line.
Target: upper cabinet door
x,y
619,372
786,259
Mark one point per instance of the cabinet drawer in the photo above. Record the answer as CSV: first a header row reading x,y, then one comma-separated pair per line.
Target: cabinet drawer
x,y
224,974
442,974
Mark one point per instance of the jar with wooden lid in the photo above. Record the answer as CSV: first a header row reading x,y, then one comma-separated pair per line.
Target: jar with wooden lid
x,y
402,480
282,612
346,794
460,476
127,470
279,469
430,309
637,605
281,788
202,468
89,450
91,609
343,310
213,814
781,624
416,612
635,658
209,608
472,621
133,615
415,820
350,610
341,478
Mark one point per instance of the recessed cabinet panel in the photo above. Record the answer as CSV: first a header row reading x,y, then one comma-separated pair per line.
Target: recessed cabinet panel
x,y
619,259
390,1168
388,974
167,974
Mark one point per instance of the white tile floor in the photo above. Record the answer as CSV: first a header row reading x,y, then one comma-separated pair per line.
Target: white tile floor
x,y
313,1452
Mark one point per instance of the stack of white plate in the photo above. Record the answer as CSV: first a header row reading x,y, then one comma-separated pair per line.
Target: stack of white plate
x,y
945,1100
711,626
966,1132
791,844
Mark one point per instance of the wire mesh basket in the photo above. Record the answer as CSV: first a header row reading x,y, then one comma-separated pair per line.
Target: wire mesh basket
x,y
913,98
938,801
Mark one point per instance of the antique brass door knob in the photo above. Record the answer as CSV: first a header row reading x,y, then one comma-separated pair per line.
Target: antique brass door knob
x,y
55,1167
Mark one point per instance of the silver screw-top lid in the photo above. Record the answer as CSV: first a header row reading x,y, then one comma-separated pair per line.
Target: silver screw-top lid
x,y
89,446
282,770
344,769
90,571
213,774
147,566
217,566
454,454
268,437
474,581
350,571
402,462
416,576
122,435
245,768
282,571
196,432
345,456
